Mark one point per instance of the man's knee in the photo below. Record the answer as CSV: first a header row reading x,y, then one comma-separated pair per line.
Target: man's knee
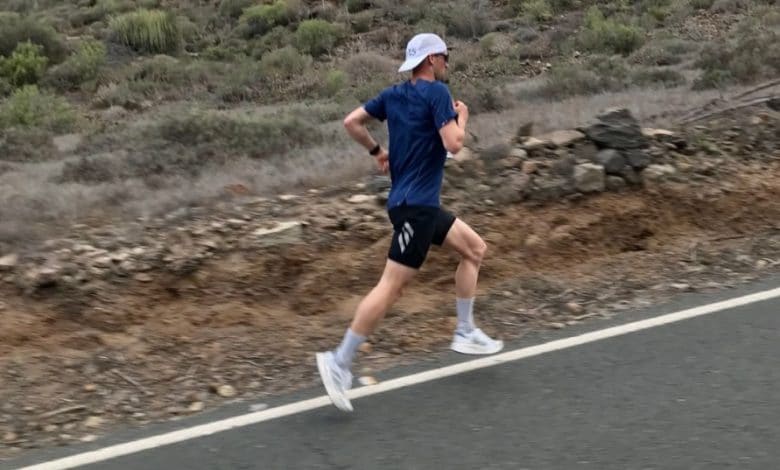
x,y
479,251
392,288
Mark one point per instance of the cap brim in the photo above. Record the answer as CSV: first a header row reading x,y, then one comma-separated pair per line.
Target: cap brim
x,y
411,64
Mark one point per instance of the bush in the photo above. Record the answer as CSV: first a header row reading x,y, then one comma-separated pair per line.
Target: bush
x,y
284,63
147,31
754,56
317,37
608,35
277,38
26,145
27,107
367,66
25,66
335,81
354,6
162,69
467,19
260,19
701,4
257,137
663,52
599,75
97,12
538,10
15,29
653,77
233,8
81,67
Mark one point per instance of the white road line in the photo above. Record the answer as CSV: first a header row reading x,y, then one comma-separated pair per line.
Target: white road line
x,y
140,445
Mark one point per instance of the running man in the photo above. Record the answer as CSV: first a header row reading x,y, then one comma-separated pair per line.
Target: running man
x,y
424,124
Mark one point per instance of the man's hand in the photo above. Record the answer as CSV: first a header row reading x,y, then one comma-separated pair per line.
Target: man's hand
x,y
383,161
463,112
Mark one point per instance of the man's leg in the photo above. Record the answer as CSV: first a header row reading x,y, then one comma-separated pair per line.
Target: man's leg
x,y
413,231
372,309
469,245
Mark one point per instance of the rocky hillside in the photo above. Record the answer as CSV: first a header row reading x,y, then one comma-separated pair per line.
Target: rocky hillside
x,y
144,322
118,109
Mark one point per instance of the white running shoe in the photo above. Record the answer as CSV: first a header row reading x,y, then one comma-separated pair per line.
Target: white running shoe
x,y
336,380
475,342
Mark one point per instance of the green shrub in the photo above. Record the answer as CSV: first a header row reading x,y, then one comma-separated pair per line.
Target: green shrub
x,y
277,38
26,144
147,31
365,67
233,8
335,81
753,56
354,6
599,74
257,137
81,67
551,6
654,77
608,35
361,22
162,69
260,19
27,107
467,19
663,52
284,63
538,10
100,10
701,4
317,37
15,29
25,66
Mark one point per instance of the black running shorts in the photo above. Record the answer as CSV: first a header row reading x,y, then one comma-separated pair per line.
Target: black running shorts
x,y
415,228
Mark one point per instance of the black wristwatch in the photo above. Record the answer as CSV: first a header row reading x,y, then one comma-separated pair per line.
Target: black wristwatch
x,y
375,151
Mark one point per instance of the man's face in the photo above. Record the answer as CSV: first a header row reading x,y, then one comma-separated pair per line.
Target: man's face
x,y
440,65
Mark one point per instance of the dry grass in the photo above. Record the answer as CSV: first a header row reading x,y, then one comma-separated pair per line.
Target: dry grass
x,y
651,107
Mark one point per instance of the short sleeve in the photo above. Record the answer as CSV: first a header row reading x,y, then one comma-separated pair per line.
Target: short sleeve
x,y
376,106
441,104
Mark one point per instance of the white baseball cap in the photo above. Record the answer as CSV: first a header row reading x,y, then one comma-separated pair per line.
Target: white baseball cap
x,y
420,47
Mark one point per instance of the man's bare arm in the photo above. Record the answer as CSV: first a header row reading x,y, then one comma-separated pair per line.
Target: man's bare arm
x,y
355,124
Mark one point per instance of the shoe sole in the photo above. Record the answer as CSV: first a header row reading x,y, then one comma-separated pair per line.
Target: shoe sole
x,y
465,348
339,400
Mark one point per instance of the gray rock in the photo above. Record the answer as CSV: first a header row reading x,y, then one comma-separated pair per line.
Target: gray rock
x,y
658,172
585,150
8,262
589,178
512,189
617,129
518,152
563,166
547,188
615,183
42,277
631,176
638,159
612,161
282,233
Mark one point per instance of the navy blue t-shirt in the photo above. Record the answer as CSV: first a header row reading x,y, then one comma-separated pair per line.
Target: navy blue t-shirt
x,y
415,113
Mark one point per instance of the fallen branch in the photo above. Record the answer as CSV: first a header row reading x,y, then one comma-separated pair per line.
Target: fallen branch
x,y
754,102
770,84
65,410
133,382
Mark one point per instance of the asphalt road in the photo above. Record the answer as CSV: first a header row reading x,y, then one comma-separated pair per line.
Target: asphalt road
x,y
696,394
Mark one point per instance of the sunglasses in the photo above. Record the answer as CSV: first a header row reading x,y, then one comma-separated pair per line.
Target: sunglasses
x,y
446,57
